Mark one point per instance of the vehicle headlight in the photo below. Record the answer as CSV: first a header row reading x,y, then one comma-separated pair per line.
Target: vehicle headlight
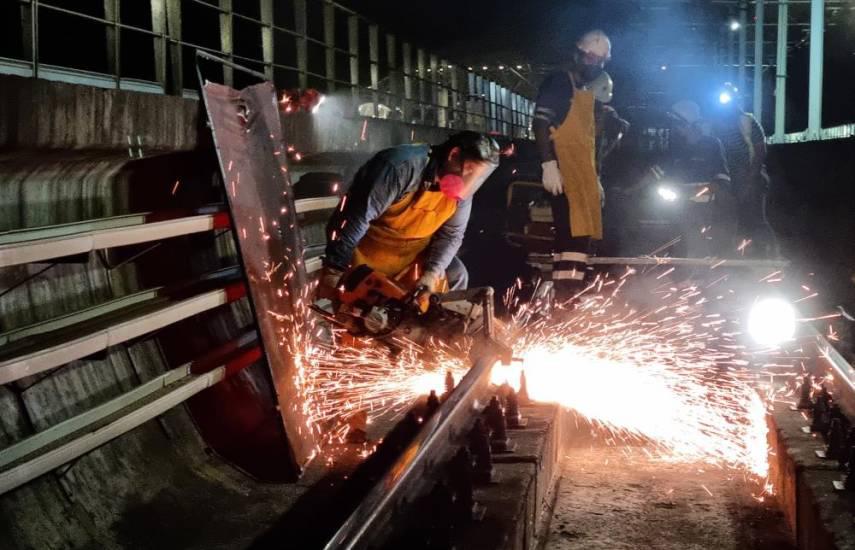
x,y
771,322
666,193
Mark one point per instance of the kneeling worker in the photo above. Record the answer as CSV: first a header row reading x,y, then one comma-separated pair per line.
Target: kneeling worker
x,y
406,212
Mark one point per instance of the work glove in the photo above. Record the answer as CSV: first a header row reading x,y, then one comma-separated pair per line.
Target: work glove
x,y
552,180
328,283
426,287
602,193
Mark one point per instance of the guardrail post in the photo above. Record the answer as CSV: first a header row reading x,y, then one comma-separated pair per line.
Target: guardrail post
x,y
743,45
493,98
113,33
454,84
28,32
158,26
329,45
301,28
817,49
374,65
267,50
781,71
394,78
173,36
421,71
406,51
353,51
759,20
442,78
433,88
227,40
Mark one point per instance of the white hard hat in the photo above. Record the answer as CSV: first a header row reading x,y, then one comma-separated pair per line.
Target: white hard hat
x,y
596,43
603,87
687,111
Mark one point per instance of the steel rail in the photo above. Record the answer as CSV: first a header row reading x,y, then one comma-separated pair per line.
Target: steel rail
x,y
420,463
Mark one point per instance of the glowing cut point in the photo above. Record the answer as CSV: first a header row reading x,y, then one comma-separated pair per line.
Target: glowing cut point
x,y
734,25
666,193
724,98
771,322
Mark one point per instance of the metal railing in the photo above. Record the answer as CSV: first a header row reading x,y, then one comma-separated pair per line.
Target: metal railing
x,y
815,40
303,43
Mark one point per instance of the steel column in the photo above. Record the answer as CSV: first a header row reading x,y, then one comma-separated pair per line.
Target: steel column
x,y
421,71
267,36
759,18
301,27
173,37
158,26
407,53
353,50
374,65
394,77
112,14
227,40
817,43
781,71
743,45
329,45
731,54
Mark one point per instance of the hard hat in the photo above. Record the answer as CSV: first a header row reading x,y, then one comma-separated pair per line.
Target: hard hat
x,y
596,43
603,87
686,111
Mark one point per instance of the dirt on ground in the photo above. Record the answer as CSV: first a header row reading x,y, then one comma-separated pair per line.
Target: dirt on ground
x,y
610,499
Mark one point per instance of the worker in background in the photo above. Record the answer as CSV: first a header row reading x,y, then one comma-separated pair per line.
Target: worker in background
x,y
609,126
697,161
406,212
745,148
564,129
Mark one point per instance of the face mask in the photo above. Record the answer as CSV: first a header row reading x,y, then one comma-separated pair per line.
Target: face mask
x,y
591,72
452,185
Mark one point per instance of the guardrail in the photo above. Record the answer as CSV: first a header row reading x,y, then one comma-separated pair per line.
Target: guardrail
x,y
303,43
50,344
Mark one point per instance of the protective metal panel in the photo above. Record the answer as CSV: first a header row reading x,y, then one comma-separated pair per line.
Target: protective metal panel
x,y
252,155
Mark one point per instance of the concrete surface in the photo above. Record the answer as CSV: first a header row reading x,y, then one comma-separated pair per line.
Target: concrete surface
x,y
607,499
817,514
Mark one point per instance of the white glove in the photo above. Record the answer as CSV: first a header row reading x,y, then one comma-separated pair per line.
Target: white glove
x,y
602,193
552,180
429,280
328,283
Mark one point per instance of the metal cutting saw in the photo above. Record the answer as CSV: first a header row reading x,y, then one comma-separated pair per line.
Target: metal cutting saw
x,y
372,305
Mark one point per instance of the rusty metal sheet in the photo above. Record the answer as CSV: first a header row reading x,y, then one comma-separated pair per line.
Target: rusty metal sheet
x,y
252,156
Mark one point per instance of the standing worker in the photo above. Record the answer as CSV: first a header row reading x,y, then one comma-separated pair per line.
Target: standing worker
x,y
564,130
745,148
406,212
697,162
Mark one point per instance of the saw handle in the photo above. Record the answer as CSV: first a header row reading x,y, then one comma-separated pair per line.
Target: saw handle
x,y
422,298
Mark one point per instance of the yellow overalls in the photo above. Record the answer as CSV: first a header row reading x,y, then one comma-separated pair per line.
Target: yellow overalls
x,y
574,144
396,241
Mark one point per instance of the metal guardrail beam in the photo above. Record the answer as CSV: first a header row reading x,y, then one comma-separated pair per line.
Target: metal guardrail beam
x,y
46,243
94,339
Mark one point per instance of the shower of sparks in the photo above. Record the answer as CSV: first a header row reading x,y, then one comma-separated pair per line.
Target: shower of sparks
x,y
341,381
670,376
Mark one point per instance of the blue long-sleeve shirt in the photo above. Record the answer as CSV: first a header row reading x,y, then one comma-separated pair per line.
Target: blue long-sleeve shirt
x,y
382,181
